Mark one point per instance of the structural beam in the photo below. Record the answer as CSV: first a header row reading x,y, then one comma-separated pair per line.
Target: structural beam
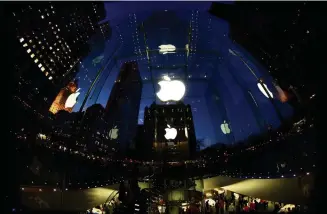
x,y
189,79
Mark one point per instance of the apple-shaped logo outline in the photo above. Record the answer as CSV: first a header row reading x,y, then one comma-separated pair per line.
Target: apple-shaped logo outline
x,y
171,133
113,133
225,127
263,90
171,90
186,132
72,99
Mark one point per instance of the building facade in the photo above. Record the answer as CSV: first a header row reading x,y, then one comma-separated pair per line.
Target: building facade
x,y
49,39
123,105
169,129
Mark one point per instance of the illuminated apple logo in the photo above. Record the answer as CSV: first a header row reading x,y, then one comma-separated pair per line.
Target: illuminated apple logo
x,y
171,90
164,49
225,128
263,90
113,133
171,133
72,99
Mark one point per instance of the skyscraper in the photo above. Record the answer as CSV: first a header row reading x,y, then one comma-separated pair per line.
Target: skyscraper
x,y
123,105
50,39
169,129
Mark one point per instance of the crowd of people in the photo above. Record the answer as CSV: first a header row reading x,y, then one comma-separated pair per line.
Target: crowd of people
x,y
244,204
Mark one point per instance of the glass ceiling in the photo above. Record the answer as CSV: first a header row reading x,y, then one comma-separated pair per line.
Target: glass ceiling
x,y
221,78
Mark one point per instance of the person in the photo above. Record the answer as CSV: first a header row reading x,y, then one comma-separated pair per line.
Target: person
x,y
221,205
207,207
276,208
231,208
217,206
252,206
246,208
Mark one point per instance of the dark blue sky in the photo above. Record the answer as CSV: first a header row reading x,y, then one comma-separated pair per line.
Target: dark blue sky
x,y
219,86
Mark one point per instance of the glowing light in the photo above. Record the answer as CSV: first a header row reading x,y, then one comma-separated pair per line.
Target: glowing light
x,y
171,90
72,99
164,49
28,51
263,90
113,133
225,127
171,133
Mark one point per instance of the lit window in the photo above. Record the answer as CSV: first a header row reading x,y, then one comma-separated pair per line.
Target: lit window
x,y
32,55
42,69
28,50
25,45
50,48
30,41
21,39
50,77
46,73
42,17
40,42
36,60
39,65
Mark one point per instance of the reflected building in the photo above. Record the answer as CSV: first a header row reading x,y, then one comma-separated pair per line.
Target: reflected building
x,y
121,111
169,130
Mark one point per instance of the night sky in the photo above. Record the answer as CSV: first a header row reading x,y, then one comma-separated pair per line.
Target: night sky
x,y
219,85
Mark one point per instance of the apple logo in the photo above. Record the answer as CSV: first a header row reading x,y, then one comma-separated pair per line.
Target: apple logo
x,y
171,133
113,133
224,127
71,100
171,90
186,132
164,49
97,60
263,90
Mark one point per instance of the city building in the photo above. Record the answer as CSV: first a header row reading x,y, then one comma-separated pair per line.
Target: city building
x,y
60,101
49,40
123,105
169,129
